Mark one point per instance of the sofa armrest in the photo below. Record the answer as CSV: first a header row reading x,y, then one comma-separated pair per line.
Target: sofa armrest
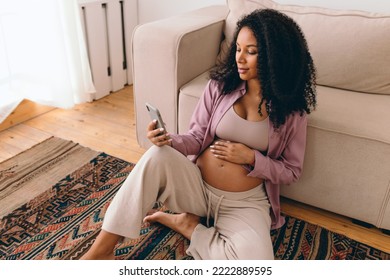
x,y
166,55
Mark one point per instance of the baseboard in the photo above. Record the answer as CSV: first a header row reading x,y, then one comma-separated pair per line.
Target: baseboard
x,y
361,223
386,231
25,111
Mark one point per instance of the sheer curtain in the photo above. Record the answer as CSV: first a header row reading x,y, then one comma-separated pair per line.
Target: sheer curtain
x,y
43,56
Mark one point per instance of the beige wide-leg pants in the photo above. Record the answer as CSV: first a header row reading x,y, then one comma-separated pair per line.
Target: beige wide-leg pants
x,y
241,228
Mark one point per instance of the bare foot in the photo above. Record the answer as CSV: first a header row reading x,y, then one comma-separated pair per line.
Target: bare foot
x,y
183,223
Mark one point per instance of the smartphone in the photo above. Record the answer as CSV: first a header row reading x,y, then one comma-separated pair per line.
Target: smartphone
x,y
155,115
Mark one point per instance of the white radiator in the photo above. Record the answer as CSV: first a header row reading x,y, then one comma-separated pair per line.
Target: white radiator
x,y
108,26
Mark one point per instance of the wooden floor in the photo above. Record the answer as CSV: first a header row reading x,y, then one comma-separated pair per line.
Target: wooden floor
x,y
109,125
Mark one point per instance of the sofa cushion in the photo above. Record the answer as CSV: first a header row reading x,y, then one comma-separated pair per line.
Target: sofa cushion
x,y
188,98
352,113
350,48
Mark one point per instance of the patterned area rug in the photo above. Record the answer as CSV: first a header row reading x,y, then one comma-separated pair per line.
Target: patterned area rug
x,y
64,219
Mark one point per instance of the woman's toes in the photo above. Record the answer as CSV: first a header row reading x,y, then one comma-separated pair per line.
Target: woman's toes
x,y
153,216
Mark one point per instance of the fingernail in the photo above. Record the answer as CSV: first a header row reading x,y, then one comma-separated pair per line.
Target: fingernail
x,y
161,129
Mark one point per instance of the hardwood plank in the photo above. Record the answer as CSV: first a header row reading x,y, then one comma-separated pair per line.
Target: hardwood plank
x,y
109,113
84,127
110,121
18,138
25,111
12,144
10,137
121,99
30,132
7,151
126,94
94,142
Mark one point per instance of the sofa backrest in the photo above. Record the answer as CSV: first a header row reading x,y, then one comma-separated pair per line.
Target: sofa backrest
x,y
350,49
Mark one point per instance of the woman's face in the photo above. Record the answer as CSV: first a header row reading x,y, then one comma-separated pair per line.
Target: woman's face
x,y
246,54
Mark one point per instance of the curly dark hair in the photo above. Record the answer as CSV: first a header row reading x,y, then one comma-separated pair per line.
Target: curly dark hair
x,y
285,67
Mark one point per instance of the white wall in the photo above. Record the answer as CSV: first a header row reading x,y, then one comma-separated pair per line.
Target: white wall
x,y
149,10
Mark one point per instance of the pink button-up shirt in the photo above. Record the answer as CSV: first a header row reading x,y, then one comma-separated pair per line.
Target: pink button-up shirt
x,y
284,159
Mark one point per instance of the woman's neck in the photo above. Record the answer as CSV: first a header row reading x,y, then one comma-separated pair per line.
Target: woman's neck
x,y
253,89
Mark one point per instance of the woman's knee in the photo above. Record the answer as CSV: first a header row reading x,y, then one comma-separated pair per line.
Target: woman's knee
x,y
159,155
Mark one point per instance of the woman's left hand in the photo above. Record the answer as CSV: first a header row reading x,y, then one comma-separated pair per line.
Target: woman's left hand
x,y
233,152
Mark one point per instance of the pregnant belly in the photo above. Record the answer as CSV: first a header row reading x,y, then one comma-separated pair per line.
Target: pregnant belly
x,y
225,175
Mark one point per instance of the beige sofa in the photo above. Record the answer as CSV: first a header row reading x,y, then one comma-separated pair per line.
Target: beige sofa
x,y
347,164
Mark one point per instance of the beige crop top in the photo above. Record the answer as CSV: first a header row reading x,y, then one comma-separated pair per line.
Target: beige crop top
x,y
250,133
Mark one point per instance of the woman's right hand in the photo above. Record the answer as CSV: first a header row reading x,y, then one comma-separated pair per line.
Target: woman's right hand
x,y
158,136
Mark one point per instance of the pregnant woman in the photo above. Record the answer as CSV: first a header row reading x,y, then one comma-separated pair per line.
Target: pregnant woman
x,y
247,136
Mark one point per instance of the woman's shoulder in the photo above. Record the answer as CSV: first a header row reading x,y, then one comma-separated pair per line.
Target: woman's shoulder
x,y
298,116
296,121
213,89
293,122
215,85
218,86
